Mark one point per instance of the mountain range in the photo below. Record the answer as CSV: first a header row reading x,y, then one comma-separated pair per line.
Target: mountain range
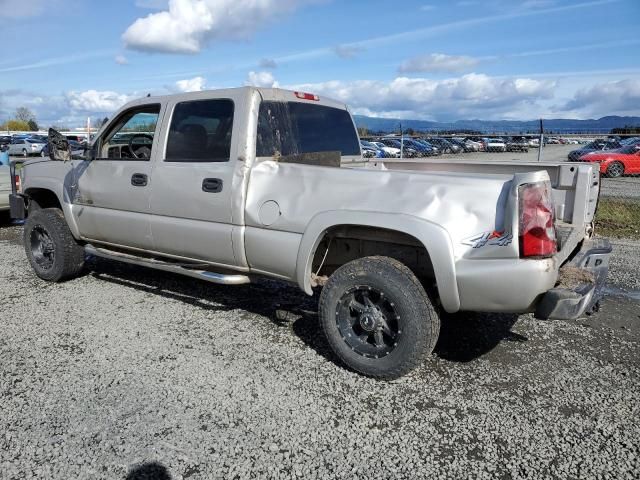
x,y
556,125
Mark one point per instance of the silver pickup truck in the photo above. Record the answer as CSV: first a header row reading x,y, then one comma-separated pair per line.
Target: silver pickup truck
x,y
231,184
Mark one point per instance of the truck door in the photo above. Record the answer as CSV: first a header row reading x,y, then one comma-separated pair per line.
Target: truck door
x,y
111,204
191,198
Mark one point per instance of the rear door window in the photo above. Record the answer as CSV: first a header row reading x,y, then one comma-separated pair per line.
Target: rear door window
x,y
293,128
200,131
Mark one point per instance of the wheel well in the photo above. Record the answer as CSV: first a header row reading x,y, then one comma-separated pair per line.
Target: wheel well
x,y
42,198
344,243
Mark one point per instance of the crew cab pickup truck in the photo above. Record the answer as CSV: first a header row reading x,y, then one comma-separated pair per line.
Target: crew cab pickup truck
x,y
227,185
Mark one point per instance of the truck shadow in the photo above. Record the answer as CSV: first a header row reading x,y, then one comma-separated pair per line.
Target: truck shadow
x,y
464,337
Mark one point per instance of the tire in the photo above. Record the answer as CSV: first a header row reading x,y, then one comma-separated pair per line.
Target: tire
x,y
52,251
387,335
25,153
615,169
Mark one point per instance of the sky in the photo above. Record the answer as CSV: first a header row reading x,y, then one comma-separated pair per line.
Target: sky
x,y
67,60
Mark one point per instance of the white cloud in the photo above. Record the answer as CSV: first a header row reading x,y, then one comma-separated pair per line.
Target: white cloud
x,y
347,51
616,97
469,96
427,7
195,84
96,101
438,62
121,60
189,24
261,79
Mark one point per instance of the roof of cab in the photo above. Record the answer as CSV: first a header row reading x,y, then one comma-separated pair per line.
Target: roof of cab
x,y
272,94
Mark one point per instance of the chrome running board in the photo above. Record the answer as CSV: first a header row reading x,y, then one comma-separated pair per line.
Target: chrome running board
x,y
213,277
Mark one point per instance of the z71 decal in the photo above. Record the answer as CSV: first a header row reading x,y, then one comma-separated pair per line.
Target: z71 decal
x,y
502,239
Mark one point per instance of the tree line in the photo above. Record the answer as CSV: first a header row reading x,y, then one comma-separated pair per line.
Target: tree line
x,y
23,120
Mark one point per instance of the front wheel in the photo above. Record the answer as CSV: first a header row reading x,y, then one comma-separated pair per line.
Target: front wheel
x,y
378,318
50,247
25,153
615,169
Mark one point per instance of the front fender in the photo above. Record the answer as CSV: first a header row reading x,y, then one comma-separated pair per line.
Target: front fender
x,y
56,186
434,238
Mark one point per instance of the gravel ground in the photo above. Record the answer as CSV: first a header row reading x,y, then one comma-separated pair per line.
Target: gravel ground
x,y
132,373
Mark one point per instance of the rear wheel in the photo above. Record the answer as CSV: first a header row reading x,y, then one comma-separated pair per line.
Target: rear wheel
x,y
50,247
378,318
615,169
24,152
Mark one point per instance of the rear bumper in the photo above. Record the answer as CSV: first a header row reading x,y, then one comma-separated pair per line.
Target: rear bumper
x,y
17,207
581,283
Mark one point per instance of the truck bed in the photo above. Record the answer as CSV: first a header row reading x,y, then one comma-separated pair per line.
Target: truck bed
x,y
575,188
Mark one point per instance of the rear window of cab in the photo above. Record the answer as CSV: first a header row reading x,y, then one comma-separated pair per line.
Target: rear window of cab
x,y
293,128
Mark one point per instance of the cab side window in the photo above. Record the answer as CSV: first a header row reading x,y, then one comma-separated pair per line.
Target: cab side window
x,y
131,137
200,131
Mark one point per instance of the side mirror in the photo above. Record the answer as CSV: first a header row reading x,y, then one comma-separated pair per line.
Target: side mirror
x,y
59,148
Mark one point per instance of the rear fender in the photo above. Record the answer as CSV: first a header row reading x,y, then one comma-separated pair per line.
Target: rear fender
x,y
434,238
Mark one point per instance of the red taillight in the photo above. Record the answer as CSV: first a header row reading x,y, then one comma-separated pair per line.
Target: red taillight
x,y
537,228
17,182
307,96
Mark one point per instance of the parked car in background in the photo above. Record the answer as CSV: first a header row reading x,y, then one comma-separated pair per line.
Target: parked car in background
x,y
38,138
443,145
5,140
496,145
630,141
517,144
371,146
534,143
423,150
474,145
462,146
77,149
595,146
616,163
392,152
408,152
432,149
25,147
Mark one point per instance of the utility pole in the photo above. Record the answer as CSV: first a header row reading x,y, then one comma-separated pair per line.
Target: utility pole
x,y
401,143
541,141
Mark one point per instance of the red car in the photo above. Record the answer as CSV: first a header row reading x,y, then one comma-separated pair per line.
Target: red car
x,y
615,163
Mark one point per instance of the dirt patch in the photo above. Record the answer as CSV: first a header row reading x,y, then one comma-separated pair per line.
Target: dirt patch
x,y
571,277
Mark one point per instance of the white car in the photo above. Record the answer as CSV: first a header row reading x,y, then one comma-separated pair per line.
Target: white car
x,y
392,151
475,146
25,147
496,145
534,142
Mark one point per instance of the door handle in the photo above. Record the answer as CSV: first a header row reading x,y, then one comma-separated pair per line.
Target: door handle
x,y
212,185
139,180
